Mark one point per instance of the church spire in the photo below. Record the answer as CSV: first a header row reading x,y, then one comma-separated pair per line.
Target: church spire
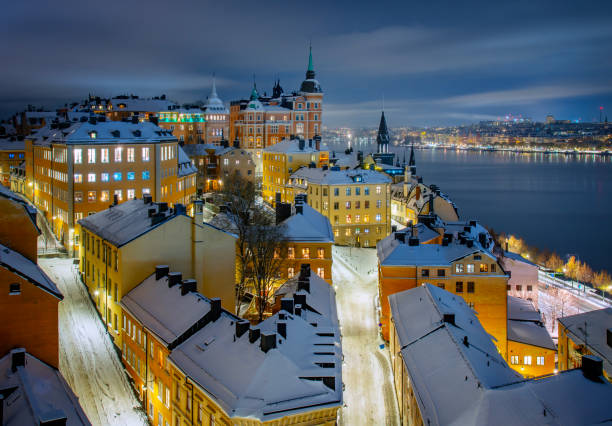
x,y
382,139
213,92
310,84
310,67
412,163
254,93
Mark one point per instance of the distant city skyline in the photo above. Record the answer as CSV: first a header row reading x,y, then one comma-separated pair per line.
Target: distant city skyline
x,y
433,64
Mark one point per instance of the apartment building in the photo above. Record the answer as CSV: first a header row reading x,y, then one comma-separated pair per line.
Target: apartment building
x,y
75,169
12,154
281,160
446,370
356,202
524,279
589,333
124,107
188,125
462,263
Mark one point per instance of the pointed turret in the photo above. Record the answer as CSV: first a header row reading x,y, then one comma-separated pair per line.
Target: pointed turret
x,y
382,140
254,93
277,90
310,85
213,92
412,163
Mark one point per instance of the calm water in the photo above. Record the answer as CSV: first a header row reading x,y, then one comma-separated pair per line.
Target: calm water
x,y
563,203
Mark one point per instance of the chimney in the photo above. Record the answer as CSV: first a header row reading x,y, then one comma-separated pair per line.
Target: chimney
x,y
317,142
592,367
281,328
298,310
400,236
300,299
268,341
287,304
413,241
174,278
17,358
473,223
301,144
449,318
299,208
147,198
188,286
393,228
242,326
465,341
304,284
278,197
162,207
151,212
161,271
115,200
215,308
283,211
254,334
305,270
609,337
470,243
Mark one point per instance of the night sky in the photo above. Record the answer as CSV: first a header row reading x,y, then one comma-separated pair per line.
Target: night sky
x,y
434,62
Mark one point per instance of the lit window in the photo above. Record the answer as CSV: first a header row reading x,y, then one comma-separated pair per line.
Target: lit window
x,y
306,253
321,253
104,155
290,272
91,196
118,154
347,232
146,191
527,360
78,197
104,177
78,178
119,194
514,359
540,360
348,218
378,190
470,268
484,267
145,175
104,196
321,272
378,217
145,154
91,177
225,161
91,155
131,194
130,155
78,156
459,267
131,175
290,253
117,176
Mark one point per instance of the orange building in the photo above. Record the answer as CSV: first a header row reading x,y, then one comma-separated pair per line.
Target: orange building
x,y
186,124
124,107
12,154
75,169
29,299
263,121
463,264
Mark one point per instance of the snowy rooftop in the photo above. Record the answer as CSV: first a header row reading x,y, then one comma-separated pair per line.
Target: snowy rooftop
x,y
9,145
340,177
35,393
310,225
30,209
292,146
142,105
28,270
457,383
522,310
517,257
525,324
126,221
184,163
200,149
301,372
102,133
343,160
590,328
156,306
394,252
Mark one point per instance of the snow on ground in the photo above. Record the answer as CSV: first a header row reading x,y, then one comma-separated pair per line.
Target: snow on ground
x,y
369,396
88,359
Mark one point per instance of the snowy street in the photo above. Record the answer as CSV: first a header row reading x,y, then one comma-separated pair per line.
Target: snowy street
x,y
88,359
369,396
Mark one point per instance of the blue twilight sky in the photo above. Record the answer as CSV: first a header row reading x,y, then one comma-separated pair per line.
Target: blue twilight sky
x,y
434,62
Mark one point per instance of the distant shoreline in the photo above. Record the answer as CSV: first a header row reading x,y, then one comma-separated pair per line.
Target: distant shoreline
x,y
513,150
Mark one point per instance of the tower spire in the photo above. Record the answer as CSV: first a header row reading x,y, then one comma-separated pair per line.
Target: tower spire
x,y
310,67
382,139
213,92
412,163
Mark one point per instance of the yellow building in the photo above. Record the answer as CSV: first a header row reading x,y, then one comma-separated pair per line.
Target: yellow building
x,y
589,333
446,370
121,245
283,159
75,169
531,350
462,264
356,202
12,153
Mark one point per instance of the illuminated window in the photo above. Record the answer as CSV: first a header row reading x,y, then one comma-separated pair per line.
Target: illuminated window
x,y
290,272
131,175
514,359
321,272
145,154
146,191
91,155
347,232
459,267
78,178
290,253
130,155
131,194
91,196
78,197
119,194
540,360
306,253
348,205
336,232
145,175
320,253
470,268
118,154
91,177
378,190
104,155
348,218
78,156
104,177
104,196
527,360
117,176
484,267
357,218
378,217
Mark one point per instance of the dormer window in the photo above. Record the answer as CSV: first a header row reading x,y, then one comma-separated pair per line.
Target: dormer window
x,y
93,134
115,133
357,178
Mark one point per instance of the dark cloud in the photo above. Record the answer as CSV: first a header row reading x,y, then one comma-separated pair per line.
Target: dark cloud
x,y
434,62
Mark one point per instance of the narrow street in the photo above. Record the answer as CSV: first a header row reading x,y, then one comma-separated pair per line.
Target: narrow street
x,y
369,396
88,359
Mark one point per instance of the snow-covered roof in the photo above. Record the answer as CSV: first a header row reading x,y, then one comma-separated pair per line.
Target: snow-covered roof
x,y
292,146
106,132
28,270
517,257
127,221
184,163
457,383
302,372
142,105
340,177
522,310
200,149
525,324
35,393
11,145
310,225
30,209
589,329
343,160
165,310
393,252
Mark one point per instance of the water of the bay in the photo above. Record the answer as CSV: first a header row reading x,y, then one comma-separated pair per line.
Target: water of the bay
x,y
560,202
